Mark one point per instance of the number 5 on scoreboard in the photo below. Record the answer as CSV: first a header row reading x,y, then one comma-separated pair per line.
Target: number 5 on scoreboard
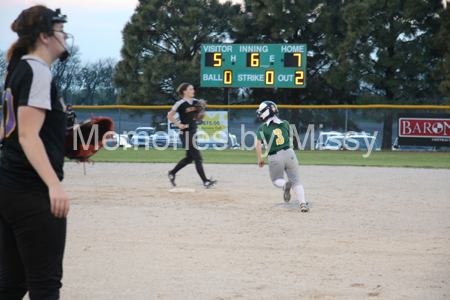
x,y
217,59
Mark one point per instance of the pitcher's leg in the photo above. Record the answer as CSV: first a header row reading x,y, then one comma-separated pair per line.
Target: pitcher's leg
x,y
42,249
185,140
12,274
197,156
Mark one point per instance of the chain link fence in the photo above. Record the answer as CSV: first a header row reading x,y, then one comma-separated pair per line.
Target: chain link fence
x,y
309,120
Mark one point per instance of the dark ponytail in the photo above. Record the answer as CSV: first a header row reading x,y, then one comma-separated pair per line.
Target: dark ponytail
x,y
29,18
181,89
26,43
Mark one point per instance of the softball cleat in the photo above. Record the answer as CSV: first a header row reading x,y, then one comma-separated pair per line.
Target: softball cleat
x,y
171,177
304,207
209,183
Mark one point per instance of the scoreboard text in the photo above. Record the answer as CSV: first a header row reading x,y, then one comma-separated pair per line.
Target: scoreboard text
x,y
263,66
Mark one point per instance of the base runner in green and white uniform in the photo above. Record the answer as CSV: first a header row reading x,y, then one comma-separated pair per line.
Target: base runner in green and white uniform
x,y
275,134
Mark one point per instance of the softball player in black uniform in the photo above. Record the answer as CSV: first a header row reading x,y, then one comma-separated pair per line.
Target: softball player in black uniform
x,y
275,133
186,108
33,203
71,115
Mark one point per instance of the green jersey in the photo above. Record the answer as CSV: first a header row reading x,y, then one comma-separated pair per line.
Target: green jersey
x,y
275,136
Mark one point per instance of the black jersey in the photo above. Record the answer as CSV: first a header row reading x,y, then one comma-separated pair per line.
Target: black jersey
x,y
30,83
186,111
71,116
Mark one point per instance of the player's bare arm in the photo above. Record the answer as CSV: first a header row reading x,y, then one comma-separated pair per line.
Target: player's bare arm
x,y
31,120
258,153
170,116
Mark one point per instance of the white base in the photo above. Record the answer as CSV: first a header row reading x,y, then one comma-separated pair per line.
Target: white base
x,y
181,190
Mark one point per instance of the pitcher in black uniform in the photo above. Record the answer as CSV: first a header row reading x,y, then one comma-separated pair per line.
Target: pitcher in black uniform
x,y
33,203
71,115
186,108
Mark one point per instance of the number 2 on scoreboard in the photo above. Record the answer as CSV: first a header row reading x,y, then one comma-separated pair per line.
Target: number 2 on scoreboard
x,y
299,78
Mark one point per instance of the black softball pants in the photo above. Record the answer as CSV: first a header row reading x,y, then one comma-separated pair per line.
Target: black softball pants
x,y
192,154
32,242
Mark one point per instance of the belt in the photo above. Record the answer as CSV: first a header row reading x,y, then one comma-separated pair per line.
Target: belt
x,y
285,148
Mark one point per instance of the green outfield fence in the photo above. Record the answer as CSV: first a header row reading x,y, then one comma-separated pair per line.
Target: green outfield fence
x,y
242,118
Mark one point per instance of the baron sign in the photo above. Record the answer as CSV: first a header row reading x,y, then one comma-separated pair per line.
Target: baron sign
x,y
421,127
424,129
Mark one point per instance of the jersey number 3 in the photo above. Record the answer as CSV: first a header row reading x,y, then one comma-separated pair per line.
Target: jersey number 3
x,y
280,138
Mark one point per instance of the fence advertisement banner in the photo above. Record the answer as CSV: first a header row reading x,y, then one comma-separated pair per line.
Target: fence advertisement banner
x,y
214,128
424,129
212,131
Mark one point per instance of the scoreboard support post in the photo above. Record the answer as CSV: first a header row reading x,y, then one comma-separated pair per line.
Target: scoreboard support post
x,y
285,101
226,99
226,96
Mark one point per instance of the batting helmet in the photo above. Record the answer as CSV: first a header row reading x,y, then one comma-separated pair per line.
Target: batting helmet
x,y
266,110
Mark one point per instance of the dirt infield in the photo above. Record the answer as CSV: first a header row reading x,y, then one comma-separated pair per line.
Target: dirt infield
x,y
371,233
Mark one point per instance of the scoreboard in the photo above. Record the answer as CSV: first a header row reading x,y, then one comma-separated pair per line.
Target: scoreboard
x,y
258,66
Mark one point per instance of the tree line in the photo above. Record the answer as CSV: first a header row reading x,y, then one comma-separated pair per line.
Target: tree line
x,y
359,52
88,83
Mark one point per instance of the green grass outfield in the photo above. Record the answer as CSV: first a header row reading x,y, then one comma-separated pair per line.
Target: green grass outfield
x,y
438,160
